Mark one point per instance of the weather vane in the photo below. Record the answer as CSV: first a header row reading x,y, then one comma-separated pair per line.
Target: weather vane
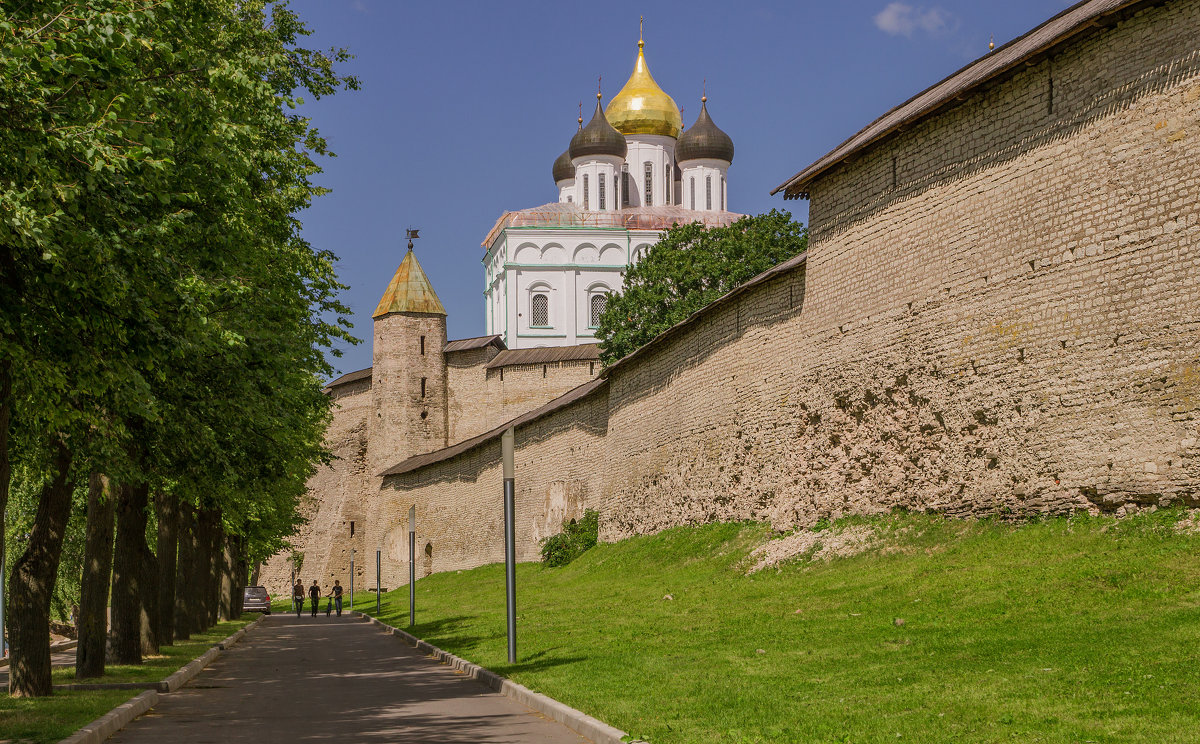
x,y
411,233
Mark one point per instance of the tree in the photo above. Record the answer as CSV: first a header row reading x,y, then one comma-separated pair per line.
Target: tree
x,y
688,268
149,177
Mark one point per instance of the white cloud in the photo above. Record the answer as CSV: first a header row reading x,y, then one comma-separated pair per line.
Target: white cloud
x,y
900,19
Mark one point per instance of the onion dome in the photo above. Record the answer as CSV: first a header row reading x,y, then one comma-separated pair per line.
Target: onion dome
x,y
703,140
641,107
598,138
564,170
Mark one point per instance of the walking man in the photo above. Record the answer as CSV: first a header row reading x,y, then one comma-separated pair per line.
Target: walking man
x,y
298,596
336,593
314,594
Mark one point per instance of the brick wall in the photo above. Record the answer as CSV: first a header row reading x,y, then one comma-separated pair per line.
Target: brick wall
x,y
997,315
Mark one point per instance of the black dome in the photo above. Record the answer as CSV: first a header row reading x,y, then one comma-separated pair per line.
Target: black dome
x,y
563,170
704,140
598,138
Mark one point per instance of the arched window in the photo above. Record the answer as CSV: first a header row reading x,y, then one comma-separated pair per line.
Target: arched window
x,y
600,191
585,193
692,194
616,190
599,301
539,310
649,202
626,184
722,193
708,192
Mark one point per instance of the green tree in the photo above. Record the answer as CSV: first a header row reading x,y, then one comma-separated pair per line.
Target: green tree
x,y
158,300
688,268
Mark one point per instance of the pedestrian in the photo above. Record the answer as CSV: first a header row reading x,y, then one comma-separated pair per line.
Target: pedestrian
x,y
298,596
336,594
314,593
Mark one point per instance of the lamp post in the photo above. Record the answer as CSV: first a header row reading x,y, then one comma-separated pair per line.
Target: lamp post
x,y
352,579
412,565
510,540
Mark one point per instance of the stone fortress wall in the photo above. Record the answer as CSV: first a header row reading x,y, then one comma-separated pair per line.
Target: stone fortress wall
x,y
997,314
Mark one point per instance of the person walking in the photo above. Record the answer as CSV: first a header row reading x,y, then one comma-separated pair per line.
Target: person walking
x,y
314,594
336,594
298,596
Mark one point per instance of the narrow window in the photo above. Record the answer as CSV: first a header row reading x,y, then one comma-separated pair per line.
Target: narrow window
x,y
667,184
625,182
502,374
692,192
585,192
543,371
708,192
722,193
422,387
649,185
1049,90
570,199
352,529
422,346
893,171
599,302
616,189
591,368
600,191
540,311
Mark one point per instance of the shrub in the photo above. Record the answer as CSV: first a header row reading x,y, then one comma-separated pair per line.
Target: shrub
x,y
576,537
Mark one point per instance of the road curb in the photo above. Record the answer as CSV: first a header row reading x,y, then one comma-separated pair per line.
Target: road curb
x,y
120,717
576,720
62,646
114,720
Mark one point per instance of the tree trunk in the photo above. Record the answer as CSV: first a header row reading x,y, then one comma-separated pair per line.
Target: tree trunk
x,y
32,584
255,570
5,474
227,581
241,570
216,554
203,586
97,569
166,504
128,581
149,594
185,572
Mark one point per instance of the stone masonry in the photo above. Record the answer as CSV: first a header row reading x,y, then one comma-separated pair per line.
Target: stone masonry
x,y
997,315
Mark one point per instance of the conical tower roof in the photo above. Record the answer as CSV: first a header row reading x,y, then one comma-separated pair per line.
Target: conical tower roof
x,y
409,291
641,107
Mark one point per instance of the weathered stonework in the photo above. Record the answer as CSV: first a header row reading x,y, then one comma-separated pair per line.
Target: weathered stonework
x,y
997,314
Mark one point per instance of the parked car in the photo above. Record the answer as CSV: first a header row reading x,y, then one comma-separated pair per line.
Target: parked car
x,y
256,599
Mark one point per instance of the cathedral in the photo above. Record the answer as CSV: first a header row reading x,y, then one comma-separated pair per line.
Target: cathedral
x,y
628,175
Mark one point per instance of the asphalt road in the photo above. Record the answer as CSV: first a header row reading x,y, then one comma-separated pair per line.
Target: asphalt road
x,y
335,679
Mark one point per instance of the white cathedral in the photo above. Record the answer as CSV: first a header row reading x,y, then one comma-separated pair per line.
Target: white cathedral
x,y
627,176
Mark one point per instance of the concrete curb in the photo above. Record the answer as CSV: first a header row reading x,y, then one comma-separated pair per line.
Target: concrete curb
x,y
578,721
114,720
119,717
54,647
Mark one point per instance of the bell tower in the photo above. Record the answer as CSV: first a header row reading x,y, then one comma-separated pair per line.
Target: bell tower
x,y
408,377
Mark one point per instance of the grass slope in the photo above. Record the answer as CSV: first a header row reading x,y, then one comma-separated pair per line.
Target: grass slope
x,y
1066,630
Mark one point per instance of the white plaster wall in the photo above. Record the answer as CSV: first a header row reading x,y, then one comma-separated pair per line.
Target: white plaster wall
x,y
700,170
659,151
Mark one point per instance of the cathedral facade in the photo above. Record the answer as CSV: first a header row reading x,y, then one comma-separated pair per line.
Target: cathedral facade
x,y
628,175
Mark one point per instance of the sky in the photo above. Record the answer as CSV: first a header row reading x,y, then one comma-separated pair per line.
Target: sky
x,y
465,105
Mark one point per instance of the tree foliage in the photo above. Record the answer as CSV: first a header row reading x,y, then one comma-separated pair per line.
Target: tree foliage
x,y
687,269
163,320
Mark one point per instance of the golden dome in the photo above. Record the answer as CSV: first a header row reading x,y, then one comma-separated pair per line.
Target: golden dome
x,y
642,107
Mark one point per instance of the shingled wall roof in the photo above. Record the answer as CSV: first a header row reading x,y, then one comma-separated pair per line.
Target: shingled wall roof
x,y
1073,21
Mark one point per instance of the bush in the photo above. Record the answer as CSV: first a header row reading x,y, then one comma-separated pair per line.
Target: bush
x,y
576,537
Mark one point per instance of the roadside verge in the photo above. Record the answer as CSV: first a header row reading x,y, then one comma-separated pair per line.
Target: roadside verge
x,y
576,720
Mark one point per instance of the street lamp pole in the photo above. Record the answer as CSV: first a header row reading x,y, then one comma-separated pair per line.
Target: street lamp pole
x,y
412,565
510,541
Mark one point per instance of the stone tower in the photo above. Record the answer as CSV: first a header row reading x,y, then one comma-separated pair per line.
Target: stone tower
x,y
408,379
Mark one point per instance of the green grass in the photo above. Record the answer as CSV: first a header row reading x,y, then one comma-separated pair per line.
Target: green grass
x,y
53,718
1065,630
171,658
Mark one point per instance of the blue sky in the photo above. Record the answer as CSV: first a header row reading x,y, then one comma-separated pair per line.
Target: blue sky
x,y
465,105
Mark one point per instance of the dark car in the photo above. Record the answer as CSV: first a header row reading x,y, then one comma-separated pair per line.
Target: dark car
x,y
256,599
